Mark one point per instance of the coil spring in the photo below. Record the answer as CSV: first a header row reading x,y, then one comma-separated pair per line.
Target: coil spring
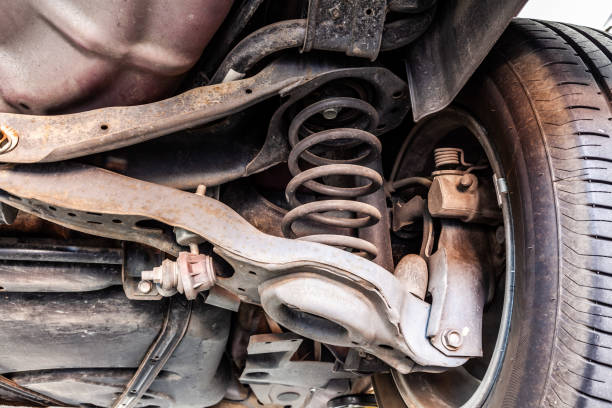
x,y
341,198
454,157
448,156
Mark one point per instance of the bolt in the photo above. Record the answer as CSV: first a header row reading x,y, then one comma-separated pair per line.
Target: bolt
x,y
452,339
331,113
201,190
193,246
466,181
145,286
194,249
155,275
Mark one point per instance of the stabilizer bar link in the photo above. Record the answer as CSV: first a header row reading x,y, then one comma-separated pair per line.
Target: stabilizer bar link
x,y
316,290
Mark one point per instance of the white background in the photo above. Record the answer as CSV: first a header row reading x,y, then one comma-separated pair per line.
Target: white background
x,y
590,13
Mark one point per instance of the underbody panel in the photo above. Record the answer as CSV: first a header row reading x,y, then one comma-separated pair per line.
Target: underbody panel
x,y
82,348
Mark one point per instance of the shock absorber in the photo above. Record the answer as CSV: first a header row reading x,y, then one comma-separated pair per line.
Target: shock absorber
x,y
356,151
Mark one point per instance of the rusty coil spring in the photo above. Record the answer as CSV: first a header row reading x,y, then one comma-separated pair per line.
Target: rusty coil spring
x,y
448,156
340,198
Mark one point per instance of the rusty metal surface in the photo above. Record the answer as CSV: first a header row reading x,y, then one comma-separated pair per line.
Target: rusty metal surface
x,y
354,27
339,312
463,196
226,150
73,55
30,226
61,137
212,154
387,92
123,227
265,215
459,283
428,389
341,198
253,207
407,213
256,257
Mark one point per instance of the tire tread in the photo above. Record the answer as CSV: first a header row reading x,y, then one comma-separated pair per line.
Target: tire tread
x,y
567,73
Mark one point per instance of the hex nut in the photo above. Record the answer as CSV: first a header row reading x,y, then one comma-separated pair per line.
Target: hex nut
x,y
466,181
330,113
145,286
452,339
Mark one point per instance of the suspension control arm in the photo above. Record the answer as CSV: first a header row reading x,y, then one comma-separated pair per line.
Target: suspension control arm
x,y
298,283
31,139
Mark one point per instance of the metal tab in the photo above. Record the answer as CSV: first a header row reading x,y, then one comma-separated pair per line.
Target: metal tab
x,y
276,379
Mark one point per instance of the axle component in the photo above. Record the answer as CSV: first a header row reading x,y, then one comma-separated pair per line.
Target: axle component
x,y
456,192
459,274
74,195
62,137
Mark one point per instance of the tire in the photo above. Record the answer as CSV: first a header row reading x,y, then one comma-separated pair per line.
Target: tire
x,y
544,96
547,93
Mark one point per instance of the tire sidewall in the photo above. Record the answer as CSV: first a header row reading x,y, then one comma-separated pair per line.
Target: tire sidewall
x,y
497,99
